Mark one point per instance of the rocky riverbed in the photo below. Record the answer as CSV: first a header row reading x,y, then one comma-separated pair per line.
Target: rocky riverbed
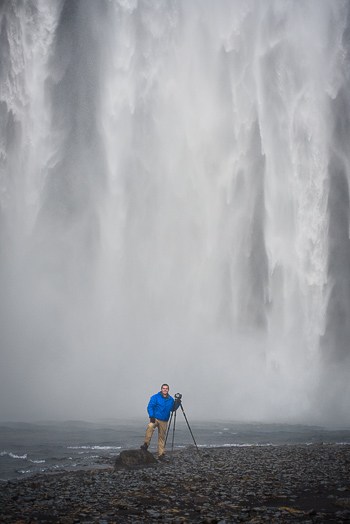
x,y
273,484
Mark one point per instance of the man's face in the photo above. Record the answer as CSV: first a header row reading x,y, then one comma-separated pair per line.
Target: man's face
x,y
165,391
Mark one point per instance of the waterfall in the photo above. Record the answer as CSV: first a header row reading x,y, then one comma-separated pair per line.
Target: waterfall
x,y
174,206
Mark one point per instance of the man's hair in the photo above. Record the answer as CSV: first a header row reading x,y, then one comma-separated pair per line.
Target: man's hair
x,y
167,385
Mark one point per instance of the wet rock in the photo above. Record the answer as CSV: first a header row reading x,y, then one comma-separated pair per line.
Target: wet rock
x,y
134,457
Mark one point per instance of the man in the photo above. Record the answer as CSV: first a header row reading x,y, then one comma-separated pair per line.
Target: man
x,y
159,408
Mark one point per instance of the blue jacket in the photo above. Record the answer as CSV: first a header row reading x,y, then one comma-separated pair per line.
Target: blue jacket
x,y
160,407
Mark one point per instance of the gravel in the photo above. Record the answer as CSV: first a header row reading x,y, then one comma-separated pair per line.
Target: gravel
x,y
272,484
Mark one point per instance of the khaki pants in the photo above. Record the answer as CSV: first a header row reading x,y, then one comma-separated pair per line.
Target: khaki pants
x,y
161,425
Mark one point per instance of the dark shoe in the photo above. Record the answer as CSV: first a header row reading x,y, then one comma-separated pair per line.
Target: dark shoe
x,y
144,446
162,458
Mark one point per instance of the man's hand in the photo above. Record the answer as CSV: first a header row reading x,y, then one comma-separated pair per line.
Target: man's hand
x,y
152,419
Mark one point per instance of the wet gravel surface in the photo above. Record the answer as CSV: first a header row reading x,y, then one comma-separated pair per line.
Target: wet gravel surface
x,y
274,484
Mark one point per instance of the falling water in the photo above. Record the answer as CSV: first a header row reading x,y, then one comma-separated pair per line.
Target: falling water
x,y
174,206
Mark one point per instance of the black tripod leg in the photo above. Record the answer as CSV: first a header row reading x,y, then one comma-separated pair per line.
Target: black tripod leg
x,y
172,442
167,432
184,414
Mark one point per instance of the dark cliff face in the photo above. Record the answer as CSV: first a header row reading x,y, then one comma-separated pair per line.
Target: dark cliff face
x,y
77,176
336,340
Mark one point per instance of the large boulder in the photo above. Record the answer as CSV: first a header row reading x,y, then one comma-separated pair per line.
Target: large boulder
x,y
130,458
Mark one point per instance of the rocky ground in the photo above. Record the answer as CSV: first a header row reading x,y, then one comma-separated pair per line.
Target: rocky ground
x,y
275,484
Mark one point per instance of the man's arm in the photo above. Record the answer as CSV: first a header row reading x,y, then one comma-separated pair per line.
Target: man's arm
x,y
151,408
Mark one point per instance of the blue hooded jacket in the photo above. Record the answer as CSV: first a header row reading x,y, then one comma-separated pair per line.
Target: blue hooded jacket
x,y
160,407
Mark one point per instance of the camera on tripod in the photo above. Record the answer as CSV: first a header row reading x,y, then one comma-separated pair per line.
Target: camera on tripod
x,y
178,404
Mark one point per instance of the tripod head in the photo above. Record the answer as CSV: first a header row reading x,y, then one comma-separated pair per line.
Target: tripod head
x,y
178,396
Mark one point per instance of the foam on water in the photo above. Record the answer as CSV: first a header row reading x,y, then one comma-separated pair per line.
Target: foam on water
x,y
95,447
13,455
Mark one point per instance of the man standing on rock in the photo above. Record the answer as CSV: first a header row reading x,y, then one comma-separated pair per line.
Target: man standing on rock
x,y
159,408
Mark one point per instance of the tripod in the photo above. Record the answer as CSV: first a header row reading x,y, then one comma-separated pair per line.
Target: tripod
x,y
178,397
